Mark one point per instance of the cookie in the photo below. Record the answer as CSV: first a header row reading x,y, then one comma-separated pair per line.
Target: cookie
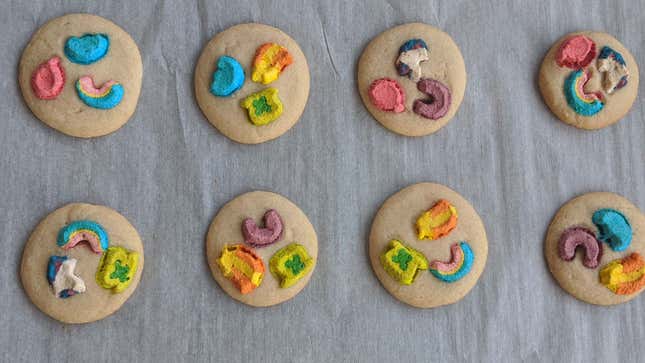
x,y
427,245
589,79
252,82
81,263
261,248
412,79
81,75
595,248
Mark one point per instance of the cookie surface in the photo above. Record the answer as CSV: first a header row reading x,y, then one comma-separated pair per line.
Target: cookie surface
x,y
583,99
396,220
95,302
444,64
226,229
119,61
583,282
241,42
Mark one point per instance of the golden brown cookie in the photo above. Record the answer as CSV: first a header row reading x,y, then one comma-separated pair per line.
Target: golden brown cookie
x,y
81,75
589,79
81,263
587,235
261,248
427,245
224,108
412,79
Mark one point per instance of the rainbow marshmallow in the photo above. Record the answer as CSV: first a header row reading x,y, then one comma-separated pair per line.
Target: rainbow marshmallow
x,y
108,96
586,104
83,231
459,266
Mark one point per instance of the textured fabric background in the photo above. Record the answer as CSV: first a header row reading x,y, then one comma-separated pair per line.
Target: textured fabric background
x,y
168,171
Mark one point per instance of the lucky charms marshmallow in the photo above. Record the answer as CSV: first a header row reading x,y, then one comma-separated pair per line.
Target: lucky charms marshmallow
x,y
81,263
252,82
81,75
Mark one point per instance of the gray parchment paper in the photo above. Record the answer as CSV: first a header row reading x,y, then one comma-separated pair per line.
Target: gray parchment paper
x,y
168,171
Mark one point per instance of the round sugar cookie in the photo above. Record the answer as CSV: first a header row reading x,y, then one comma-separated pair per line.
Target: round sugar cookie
x,y
412,79
233,81
81,75
589,79
271,270
586,235
91,243
443,266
